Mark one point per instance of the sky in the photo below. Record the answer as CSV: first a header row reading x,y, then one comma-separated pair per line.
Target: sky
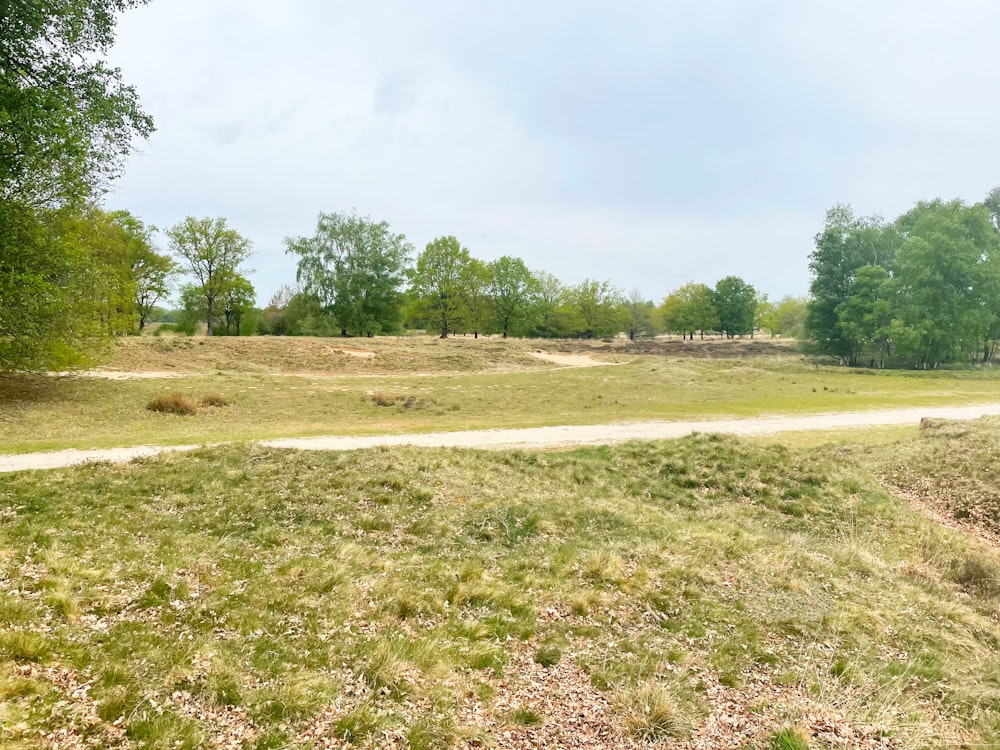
x,y
649,144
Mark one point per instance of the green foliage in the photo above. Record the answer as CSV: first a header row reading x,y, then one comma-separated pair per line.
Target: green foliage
x,y
922,290
511,290
736,303
212,253
846,244
595,307
66,119
66,123
689,310
637,314
356,268
439,284
787,739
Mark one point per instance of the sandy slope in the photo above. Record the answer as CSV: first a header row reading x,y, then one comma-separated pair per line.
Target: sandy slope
x,y
538,437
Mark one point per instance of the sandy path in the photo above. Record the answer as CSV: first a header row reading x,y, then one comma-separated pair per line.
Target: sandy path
x,y
537,437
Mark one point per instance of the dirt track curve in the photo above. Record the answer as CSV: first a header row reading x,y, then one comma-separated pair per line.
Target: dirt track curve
x,y
536,437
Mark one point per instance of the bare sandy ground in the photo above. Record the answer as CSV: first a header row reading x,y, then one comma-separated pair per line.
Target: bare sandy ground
x,y
537,437
570,360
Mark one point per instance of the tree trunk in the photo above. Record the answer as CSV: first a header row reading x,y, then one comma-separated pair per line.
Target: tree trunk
x,y
208,322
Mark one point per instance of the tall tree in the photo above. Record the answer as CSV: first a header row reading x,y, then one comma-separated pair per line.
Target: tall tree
x,y
151,271
546,303
438,284
847,243
690,309
512,287
357,267
66,123
637,314
213,253
237,301
736,302
945,280
596,306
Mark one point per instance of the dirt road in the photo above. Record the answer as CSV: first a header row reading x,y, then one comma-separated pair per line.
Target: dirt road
x,y
537,437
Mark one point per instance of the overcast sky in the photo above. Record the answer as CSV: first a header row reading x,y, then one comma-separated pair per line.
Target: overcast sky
x,y
647,143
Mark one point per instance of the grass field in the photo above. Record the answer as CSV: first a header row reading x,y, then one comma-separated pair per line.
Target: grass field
x,y
424,385
708,590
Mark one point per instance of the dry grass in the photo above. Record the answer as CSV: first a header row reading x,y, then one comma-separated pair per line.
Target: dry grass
x,y
174,403
702,593
476,385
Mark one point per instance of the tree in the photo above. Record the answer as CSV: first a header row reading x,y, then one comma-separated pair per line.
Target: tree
x,y
946,280
511,289
66,123
546,303
150,271
736,302
846,244
689,310
67,120
866,316
438,283
476,286
356,267
637,314
789,316
238,300
596,308
213,253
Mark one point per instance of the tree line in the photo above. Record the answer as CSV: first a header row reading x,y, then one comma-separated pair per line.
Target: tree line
x,y
920,291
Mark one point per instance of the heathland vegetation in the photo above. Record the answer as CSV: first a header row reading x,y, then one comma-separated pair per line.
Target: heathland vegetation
x,y
702,593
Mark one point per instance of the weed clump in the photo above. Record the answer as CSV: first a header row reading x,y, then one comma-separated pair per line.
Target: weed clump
x,y
788,739
214,399
652,714
175,403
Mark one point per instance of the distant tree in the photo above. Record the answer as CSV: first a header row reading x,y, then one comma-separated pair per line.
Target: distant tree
x,y
546,302
151,271
736,302
596,306
213,254
789,315
689,310
438,284
866,316
637,314
847,243
478,304
945,277
281,297
512,287
238,301
357,267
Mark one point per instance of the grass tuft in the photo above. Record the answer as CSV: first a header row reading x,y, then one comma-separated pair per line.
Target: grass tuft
x,y
651,713
787,739
175,403
213,399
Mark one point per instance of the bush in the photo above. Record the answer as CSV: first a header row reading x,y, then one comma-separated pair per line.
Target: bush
x,y
213,399
175,403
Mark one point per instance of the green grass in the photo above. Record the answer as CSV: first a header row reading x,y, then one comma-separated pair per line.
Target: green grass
x,y
45,414
438,598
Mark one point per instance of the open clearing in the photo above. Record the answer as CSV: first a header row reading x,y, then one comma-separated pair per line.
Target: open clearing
x,y
559,436
431,386
700,593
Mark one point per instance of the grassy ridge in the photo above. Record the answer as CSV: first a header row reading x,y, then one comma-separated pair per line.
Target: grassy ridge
x,y
448,598
41,413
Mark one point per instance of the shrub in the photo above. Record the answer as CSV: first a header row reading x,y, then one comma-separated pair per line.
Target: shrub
x,y
175,403
213,399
